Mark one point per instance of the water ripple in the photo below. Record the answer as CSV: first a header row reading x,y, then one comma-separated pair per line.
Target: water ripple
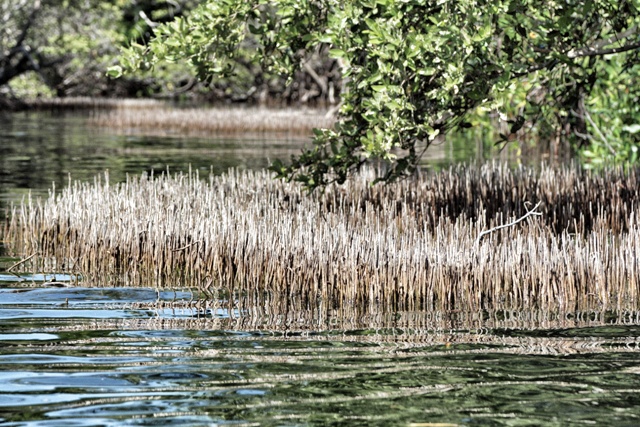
x,y
87,365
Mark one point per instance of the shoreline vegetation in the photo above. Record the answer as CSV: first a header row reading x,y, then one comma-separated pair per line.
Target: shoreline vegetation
x,y
217,120
412,245
156,117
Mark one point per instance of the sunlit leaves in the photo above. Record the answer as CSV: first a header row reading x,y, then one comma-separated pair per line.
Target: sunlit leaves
x,y
412,69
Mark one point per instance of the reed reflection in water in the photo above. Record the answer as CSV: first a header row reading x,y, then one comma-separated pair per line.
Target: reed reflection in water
x,y
133,356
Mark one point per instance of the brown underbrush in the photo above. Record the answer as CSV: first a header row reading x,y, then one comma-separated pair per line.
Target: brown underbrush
x,y
206,121
411,245
91,103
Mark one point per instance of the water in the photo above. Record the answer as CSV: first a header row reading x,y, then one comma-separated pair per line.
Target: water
x,y
38,149
80,356
76,355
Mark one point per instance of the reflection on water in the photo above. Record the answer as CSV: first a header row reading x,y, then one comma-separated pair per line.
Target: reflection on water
x,y
38,148
90,356
41,148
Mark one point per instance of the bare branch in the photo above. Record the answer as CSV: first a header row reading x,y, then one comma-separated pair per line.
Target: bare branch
x,y
22,261
595,49
197,242
147,20
590,52
491,230
595,127
316,78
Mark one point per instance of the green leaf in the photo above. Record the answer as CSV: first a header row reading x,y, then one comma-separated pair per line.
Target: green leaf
x,y
632,129
114,71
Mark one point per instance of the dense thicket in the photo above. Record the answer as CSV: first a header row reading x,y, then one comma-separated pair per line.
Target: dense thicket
x,y
64,44
63,48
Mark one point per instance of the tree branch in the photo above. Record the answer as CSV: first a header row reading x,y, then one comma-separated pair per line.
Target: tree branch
x,y
593,124
27,26
595,48
588,51
9,68
491,230
316,78
22,261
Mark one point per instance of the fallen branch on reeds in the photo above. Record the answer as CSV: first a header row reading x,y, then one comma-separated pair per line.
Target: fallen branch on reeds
x,y
186,247
412,245
511,224
22,261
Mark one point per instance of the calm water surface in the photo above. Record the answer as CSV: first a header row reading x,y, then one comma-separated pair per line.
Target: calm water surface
x,y
41,148
83,356
38,149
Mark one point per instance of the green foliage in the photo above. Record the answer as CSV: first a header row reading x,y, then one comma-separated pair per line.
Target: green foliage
x,y
416,69
65,43
30,86
613,114
53,47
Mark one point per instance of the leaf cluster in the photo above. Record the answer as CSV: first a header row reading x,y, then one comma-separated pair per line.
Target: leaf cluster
x,y
415,69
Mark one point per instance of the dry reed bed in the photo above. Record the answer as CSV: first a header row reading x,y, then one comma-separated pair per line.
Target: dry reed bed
x,y
82,102
198,121
407,246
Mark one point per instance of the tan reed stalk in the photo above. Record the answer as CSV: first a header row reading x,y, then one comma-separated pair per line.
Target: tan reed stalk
x,y
94,103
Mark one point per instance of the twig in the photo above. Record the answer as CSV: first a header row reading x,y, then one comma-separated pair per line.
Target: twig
x,y
187,246
529,213
597,129
147,20
22,261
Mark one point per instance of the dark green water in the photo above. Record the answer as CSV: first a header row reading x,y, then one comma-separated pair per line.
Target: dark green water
x,y
77,356
83,356
41,148
38,149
